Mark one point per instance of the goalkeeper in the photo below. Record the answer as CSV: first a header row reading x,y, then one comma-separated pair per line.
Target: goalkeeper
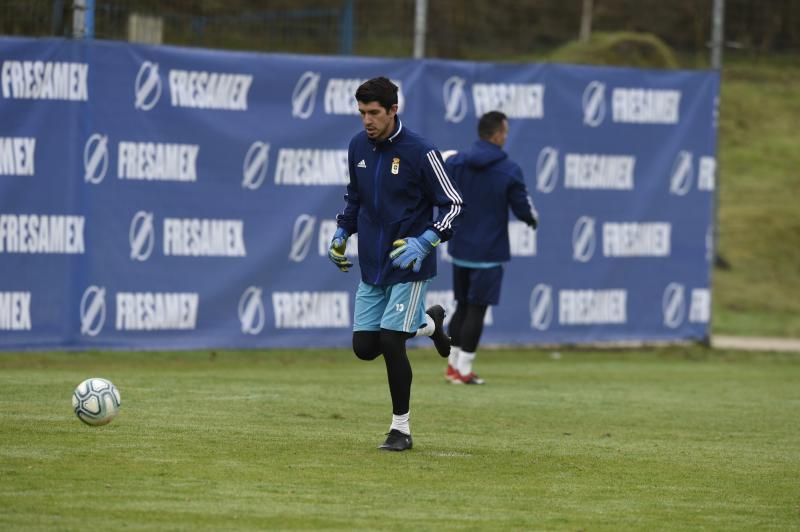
x,y
396,179
490,183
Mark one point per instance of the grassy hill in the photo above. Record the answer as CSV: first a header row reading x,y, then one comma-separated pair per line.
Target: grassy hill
x,y
759,187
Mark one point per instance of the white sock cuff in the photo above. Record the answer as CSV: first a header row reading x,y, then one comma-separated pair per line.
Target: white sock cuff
x,y
401,423
452,359
465,362
427,328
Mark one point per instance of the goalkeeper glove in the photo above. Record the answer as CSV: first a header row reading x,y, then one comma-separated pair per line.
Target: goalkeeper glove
x,y
410,251
336,251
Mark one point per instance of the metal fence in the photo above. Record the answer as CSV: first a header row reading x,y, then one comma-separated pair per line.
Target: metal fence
x,y
456,29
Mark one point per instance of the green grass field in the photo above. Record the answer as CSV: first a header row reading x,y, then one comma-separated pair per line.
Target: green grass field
x,y
675,439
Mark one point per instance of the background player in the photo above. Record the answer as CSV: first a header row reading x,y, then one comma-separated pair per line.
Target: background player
x,y
490,183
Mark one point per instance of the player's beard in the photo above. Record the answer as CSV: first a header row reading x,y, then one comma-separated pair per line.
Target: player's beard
x,y
376,133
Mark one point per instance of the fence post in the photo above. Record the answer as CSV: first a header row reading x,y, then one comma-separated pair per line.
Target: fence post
x,y
346,27
58,18
717,33
717,43
420,28
83,19
586,21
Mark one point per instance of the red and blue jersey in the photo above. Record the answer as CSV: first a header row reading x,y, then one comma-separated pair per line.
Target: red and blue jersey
x,y
394,186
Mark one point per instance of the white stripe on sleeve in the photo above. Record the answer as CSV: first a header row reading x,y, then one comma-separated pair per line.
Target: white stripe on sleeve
x,y
449,190
444,180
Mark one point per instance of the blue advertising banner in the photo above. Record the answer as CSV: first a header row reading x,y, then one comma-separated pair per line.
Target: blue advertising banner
x,y
174,198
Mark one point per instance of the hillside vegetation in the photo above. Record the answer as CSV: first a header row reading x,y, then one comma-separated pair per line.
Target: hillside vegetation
x,y
642,50
759,185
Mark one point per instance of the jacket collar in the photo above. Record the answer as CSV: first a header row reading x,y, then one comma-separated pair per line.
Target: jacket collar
x,y
484,154
485,145
397,129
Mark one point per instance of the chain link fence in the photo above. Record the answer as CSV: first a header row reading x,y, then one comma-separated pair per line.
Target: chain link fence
x,y
457,29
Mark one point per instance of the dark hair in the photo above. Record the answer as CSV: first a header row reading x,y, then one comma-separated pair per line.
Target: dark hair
x,y
379,90
490,123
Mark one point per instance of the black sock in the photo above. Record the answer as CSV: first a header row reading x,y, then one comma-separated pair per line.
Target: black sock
x,y
398,368
472,327
456,323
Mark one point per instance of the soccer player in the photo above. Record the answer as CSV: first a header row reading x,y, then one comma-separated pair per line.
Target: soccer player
x,y
490,183
396,179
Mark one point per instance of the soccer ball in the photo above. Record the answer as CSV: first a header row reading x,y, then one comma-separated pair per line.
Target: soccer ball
x,y
96,401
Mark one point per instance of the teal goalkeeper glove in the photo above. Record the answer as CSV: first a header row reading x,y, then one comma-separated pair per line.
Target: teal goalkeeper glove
x,y
337,249
410,251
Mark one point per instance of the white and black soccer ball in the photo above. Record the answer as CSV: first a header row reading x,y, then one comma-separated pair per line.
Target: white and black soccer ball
x,y
96,401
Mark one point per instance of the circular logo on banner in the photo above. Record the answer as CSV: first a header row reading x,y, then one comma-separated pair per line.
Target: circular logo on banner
x,y
541,306
95,159
93,310
682,174
305,94
455,99
547,170
251,311
583,239
594,103
255,166
673,304
301,237
141,236
147,87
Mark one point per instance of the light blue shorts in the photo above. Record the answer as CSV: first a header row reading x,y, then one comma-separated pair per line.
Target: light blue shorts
x,y
398,307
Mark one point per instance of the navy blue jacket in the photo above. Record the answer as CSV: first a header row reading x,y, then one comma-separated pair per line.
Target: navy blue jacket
x,y
490,183
394,185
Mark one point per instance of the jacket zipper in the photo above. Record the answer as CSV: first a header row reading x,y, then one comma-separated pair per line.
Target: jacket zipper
x,y
375,187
